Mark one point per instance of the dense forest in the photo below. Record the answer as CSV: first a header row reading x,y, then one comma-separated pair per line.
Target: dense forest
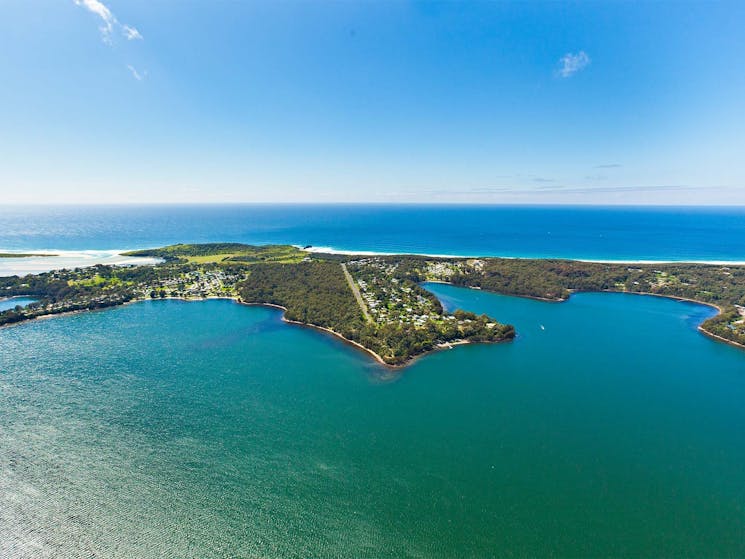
x,y
555,279
312,292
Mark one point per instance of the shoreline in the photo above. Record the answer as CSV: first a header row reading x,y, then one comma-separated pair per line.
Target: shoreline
x,y
91,254
718,338
371,253
34,262
699,327
377,358
345,340
559,300
15,297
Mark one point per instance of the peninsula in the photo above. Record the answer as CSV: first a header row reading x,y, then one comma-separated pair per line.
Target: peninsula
x,y
374,302
24,254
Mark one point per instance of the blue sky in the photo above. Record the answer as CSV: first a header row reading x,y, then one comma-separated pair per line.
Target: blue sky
x,y
110,101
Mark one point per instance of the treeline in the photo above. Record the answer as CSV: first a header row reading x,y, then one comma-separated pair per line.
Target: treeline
x,y
33,310
237,252
62,285
204,249
313,292
556,279
70,290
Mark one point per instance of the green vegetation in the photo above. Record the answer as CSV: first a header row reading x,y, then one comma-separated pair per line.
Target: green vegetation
x,y
22,255
225,253
317,293
312,292
556,279
729,325
380,305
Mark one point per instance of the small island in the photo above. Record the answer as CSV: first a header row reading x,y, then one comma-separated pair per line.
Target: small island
x,y
373,302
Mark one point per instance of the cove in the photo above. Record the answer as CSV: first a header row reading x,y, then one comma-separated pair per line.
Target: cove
x,y
610,427
13,302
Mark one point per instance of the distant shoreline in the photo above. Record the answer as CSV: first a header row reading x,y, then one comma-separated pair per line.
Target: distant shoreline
x,y
34,262
330,250
26,255
85,255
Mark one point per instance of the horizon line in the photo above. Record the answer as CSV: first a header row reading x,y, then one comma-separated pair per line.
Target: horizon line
x,y
366,203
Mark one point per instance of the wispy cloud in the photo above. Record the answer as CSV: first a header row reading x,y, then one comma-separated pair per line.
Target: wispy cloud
x,y
547,190
616,189
135,74
609,166
110,23
570,64
131,33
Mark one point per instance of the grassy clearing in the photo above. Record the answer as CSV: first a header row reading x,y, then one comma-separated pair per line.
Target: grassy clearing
x,y
226,253
97,281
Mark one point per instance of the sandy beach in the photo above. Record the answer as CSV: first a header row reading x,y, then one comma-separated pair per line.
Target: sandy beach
x,y
330,250
24,265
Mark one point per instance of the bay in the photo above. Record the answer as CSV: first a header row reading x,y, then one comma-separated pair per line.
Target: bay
x,y
13,302
609,427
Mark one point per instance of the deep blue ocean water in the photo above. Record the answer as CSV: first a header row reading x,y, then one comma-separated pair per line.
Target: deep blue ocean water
x,y
569,232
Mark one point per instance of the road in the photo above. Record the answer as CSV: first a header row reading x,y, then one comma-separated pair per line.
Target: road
x,y
357,294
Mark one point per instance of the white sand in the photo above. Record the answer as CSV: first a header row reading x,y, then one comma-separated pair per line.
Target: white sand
x,y
65,259
330,250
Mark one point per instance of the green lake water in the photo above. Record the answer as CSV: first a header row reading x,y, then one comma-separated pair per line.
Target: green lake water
x,y
609,427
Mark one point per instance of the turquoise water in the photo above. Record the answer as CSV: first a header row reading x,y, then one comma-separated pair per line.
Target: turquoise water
x,y
13,302
170,429
600,233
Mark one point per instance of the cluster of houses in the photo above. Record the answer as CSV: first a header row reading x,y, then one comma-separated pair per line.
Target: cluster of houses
x,y
195,284
386,297
445,270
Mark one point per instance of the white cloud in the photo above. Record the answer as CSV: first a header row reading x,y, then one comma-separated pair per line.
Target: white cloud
x,y
573,63
135,74
131,33
110,23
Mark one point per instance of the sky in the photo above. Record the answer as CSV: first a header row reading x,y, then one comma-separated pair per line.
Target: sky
x,y
114,101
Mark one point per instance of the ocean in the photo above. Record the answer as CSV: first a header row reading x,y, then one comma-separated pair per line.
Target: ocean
x,y
592,233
